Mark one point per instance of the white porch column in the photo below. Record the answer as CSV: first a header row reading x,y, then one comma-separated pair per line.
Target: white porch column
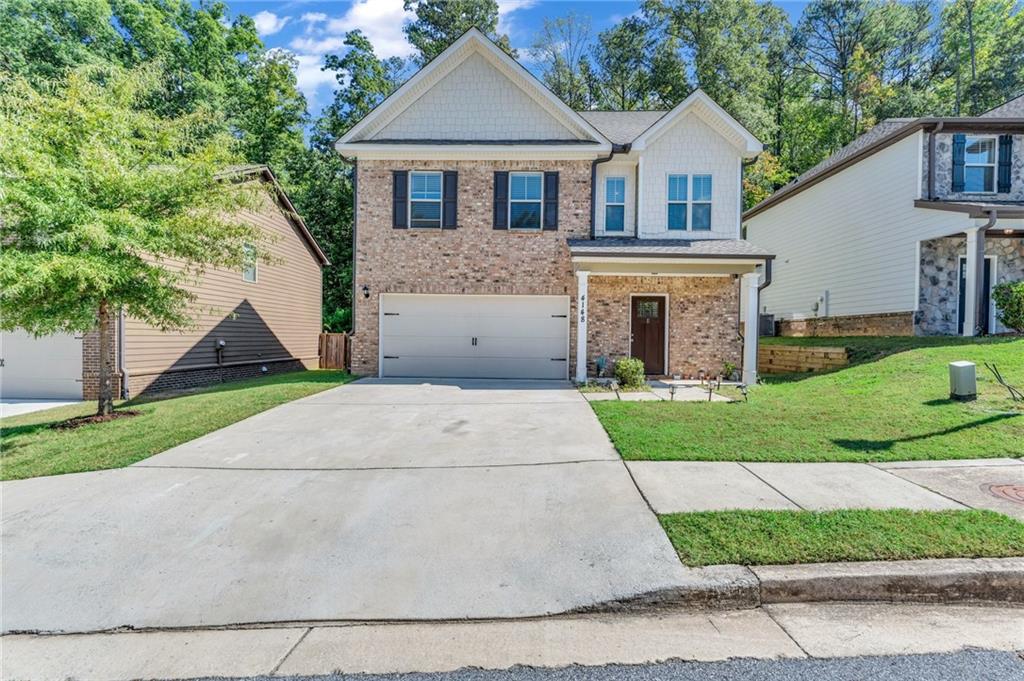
x,y
973,279
581,325
751,281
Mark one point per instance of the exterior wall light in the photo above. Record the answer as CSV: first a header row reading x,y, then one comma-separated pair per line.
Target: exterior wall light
x,y
366,291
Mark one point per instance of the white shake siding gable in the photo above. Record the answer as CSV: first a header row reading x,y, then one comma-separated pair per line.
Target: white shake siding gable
x,y
475,102
853,235
690,147
611,169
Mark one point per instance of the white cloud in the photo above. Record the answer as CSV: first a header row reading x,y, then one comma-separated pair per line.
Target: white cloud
x,y
310,77
381,21
507,8
268,23
314,18
317,46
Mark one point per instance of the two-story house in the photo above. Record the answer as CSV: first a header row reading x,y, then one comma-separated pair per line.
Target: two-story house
x,y
500,234
904,231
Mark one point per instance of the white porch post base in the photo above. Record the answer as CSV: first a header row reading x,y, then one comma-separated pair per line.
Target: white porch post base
x,y
581,326
751,281
973,279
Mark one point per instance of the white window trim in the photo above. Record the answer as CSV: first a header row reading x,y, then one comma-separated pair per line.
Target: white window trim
x,y
994,165
540,224
669,202
439,201
695,202
615,203
255,268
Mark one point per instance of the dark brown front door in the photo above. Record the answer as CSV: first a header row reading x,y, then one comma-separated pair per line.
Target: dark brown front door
x,y
648,343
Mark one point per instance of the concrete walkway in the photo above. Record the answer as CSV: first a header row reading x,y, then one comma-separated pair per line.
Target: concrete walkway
x,y
16,407
790,631
679,486
375,500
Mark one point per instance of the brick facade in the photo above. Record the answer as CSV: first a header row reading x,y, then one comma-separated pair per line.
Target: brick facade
x,y
474,258
172,381
91,363
702,320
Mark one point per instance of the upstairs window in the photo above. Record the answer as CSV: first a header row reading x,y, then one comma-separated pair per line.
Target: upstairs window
x,y
425,199
524,200
980,164
615,204
249,271
701,207
677,201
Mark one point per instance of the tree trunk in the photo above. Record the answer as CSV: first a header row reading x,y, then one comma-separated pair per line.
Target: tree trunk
x,y
974,59
105,404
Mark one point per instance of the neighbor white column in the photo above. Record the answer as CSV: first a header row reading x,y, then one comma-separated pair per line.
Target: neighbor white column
x,y
751,281
973,279
581,326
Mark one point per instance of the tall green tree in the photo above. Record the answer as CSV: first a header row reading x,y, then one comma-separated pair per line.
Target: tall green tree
x,y
620,61
98,194
561,49
439,23
267,111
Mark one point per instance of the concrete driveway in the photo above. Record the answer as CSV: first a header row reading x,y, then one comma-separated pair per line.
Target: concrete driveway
x,y
376,500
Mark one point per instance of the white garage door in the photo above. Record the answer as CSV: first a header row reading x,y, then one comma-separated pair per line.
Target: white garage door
x,y
40,368
474,336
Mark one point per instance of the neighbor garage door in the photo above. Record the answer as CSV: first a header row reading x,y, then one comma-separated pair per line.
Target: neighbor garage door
x,y
474,336
40,368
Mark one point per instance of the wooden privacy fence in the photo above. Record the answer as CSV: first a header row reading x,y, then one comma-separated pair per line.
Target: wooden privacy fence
x,y
786,359
335,351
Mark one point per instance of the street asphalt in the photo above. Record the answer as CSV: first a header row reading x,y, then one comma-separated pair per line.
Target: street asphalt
x,y
969,665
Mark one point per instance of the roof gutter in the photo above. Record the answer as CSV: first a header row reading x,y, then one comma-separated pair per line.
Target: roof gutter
x,y
616,149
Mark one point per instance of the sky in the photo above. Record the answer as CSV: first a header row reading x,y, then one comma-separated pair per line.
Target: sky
x,y
312,28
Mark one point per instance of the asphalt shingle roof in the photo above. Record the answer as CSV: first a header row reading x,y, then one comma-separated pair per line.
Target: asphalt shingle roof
x,y
621,127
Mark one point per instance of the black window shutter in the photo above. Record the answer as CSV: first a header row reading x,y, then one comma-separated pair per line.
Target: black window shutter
x,y
1005,158
959,147
399,199
550,200
500,200
450,209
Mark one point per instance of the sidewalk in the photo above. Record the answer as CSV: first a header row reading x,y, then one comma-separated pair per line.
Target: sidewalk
x,y
771,632
681,486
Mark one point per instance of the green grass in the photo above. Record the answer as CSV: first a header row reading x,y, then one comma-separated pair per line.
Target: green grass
x,y
891,409
30,448
786,537
862,349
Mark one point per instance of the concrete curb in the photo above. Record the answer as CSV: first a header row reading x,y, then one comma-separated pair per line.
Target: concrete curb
x,y
954,580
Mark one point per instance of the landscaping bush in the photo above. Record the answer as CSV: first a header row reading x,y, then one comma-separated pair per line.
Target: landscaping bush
x,y
629,372
1009,299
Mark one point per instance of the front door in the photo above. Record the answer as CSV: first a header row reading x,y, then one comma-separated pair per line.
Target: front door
x,y
648,333
986,296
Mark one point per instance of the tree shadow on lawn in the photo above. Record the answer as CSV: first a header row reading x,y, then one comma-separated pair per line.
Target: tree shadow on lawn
x,y
886,445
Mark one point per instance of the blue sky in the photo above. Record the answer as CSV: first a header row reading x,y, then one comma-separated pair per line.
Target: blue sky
x,y
312,28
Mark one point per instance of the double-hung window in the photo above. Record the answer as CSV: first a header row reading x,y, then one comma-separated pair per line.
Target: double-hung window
x,y
525,198
425,199
980,164
249,272
689,202
615,204
677,193
700,209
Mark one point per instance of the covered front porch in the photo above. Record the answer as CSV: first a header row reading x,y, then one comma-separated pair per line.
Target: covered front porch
x,y
674,304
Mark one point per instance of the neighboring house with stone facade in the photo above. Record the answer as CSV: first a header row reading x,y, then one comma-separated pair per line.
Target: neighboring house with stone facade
x,y
904,231
265,319
500,234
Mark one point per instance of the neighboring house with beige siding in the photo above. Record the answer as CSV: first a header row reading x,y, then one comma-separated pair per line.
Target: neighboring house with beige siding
x,y
500,234
265,319
904,231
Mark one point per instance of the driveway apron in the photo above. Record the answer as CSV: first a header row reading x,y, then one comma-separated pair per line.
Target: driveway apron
x,y
382,499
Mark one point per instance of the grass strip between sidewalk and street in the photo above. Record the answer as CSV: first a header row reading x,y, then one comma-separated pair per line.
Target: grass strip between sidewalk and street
x,y
29,447
788,537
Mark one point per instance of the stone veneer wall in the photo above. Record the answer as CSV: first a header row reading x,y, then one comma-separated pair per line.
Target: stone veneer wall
x,y
702,320
884,324
474,258
944,172
940,286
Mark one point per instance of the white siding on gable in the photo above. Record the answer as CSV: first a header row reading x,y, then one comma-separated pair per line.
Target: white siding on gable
x,y
606,170
852,238
475,101
690,147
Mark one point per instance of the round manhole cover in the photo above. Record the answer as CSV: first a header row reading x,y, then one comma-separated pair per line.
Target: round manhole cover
x,y
1013,493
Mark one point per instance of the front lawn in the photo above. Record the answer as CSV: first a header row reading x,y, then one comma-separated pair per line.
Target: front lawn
x,y
862,349
787,537
895,408
29,447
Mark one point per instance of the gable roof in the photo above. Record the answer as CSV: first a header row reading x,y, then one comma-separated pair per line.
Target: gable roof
x,y
622,127
264,173
708,109
471,42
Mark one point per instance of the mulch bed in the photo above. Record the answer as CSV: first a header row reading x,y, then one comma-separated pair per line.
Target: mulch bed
x,y
80,421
